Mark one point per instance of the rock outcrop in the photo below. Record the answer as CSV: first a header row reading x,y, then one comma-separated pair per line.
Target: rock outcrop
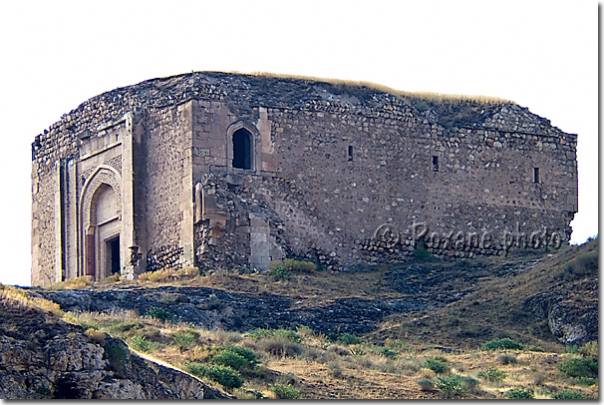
x,y
571,321
43,357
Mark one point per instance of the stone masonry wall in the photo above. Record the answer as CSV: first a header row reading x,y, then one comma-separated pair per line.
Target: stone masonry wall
x,y
342,172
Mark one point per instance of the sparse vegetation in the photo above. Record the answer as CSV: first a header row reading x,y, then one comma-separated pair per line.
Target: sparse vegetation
x,y
435,354
585,264
169,275
426,384
455,384
586,381
117,355
506,358
568,394
142,344
590,349
283,270
283,391
348,339
422,254
579,367
185,338
226,376
502,344
436,364
520,393
73,283
160,314
280,273
492,375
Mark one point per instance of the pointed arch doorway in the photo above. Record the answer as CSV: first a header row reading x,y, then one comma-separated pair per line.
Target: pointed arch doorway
x,y
102,227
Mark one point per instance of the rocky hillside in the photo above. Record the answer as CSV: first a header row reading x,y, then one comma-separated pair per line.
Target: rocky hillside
x,y
557,293
43,357
374,333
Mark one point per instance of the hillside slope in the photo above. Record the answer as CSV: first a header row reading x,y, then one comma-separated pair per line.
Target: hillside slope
x,y
375,333
43,357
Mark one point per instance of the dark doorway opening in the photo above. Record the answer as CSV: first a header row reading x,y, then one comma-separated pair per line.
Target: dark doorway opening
x,y
535,175
113,255
435,163
242,149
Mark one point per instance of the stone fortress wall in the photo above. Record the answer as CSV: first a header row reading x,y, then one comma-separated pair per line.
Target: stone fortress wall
x,y
228,170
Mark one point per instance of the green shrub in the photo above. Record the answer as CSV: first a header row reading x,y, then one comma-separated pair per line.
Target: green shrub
x,y
299,265
590,349
141,344
586,381
287,334
579,367
185,338
122,326
226,376
248,354
160,314
426,384
505,343
492,375
387,352
230,359
283,391
435,364
247,270
571,349
452,384
568,394
348,339
259,333
520,393
469,384
506,359
280,273
422,254
117,355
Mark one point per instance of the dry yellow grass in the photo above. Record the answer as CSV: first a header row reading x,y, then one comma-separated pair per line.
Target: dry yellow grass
x,y
78,282
430,96
22,299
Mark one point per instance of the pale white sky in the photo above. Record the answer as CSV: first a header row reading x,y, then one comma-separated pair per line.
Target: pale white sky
x,y
56,54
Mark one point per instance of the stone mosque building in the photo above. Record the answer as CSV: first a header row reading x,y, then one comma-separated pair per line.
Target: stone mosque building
x,y
227,170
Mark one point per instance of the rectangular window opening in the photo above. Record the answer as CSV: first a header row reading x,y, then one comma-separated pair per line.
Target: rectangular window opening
x,y
435,163
536,175
350,153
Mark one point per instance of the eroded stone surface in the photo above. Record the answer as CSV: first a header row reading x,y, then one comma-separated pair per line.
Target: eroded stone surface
x,y
46,358
149,176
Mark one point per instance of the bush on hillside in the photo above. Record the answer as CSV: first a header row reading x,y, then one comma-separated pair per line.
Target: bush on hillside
x,y
160,314
492,375
436,364
283,391
579,367
568,394
520,393
348,339
226,376
502,344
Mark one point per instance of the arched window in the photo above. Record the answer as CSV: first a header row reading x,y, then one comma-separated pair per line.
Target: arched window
x,y
242,149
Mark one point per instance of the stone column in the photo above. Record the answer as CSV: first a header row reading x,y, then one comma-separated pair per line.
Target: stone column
x,y
187,238
127,233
